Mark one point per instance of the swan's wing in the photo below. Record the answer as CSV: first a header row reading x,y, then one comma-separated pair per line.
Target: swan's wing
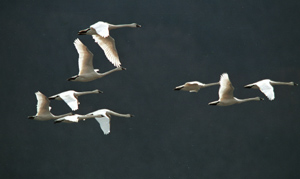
x,y
266,88
226,88
85,60
42,104
104,124
101,28
108,46
70,99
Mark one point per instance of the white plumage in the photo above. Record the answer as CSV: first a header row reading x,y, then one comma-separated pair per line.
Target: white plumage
x,y
266,87
100,33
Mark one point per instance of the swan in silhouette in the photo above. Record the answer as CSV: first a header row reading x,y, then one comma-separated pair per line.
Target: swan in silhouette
x,y
194,86
43,109
100,33
226,97
102,116
85,63
266,87
71,97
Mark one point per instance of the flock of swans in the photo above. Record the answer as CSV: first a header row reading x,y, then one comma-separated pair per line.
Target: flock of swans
x,y
226,97
100,33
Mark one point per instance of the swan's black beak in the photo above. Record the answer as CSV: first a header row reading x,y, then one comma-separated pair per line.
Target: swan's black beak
x,y
261,99
100,91
83,32
247,86
30,117
123,68
295,84
131,115
138,25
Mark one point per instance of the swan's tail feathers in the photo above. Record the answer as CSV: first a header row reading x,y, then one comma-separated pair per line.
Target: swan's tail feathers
x,y
73,78
214,103
30,117
178,87
193,91
83,32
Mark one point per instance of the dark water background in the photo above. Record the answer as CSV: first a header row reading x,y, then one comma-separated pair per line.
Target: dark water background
x,y
174,134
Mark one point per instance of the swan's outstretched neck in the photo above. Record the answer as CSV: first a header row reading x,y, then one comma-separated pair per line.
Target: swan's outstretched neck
x,y
248,99
283,83
88,92
63,115
110,71
118,114
211,84
133,25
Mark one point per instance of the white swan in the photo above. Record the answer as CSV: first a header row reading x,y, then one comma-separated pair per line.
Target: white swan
x,y
85,63
266,87
103,117
100,33
194,86
43,109
71,97
226,97
102,28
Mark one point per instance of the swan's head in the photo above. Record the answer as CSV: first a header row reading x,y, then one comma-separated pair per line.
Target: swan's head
x,y
30,117
98,91
295,84
261,99
131,115
136,25
84,31
121,68
73,78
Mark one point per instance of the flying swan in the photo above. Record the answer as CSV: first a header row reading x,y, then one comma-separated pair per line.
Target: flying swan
x,y
194,86
100,33
102,116
43,109
266,87
226,97
85,63
71,97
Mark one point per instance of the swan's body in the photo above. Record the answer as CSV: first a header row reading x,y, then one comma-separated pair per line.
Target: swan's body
x,y
100,33
194,86
73,118
226,97
102,116
266,87
71,97
85,63
43,109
